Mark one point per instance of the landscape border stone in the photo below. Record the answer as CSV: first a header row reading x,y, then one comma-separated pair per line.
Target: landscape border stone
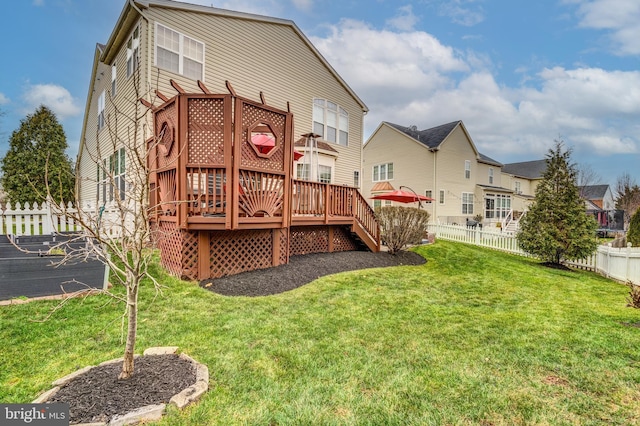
x,y
149,412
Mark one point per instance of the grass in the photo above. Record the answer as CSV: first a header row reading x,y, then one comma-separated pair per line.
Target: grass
x,y
473,337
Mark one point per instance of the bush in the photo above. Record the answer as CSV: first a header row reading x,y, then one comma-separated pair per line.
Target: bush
x,y
633,234
633,299
401,226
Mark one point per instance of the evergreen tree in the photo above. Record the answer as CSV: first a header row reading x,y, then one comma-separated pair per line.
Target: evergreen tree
x,y
557,227
633,234
36,161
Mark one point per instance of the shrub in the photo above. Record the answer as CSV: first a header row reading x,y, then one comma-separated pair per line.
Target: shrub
x,y
401,226
633,234
633,299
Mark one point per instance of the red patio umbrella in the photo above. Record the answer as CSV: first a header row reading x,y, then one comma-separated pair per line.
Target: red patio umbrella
x,y
401,196
264,142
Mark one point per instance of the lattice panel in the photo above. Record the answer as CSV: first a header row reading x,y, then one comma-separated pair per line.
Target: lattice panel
x,y
284,246
250,115
309,239
169,241
205,131
167,191
189,255
239,251
169,116
342,240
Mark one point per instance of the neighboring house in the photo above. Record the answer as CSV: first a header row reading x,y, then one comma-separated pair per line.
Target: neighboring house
x,y
442,163
264,58
523,178
597,197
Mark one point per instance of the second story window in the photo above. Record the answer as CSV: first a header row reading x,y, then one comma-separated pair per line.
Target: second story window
x,y
518,188
356,178
178,53
467,169
490,175
383,172
101,111
331,121
133,51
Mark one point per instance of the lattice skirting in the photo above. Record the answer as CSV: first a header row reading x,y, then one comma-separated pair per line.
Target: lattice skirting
x,y
178,250
315,239
232,252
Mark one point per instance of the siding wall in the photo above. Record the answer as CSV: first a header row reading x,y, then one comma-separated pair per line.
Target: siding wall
x,y
263,57
254,56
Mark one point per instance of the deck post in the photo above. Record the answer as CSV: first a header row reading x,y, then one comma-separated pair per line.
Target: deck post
x,y
275,246
330,237
203,255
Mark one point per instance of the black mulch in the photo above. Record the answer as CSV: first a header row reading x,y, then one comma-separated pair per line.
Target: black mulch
x,y
98,395
303,269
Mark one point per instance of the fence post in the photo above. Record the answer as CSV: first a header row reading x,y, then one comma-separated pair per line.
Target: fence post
x,y
627,274
608,259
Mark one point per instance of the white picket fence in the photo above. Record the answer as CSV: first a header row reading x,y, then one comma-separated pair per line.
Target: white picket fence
x,y
34,219
622,264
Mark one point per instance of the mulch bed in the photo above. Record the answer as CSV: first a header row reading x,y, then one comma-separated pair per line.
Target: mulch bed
x,y
98,395
302,270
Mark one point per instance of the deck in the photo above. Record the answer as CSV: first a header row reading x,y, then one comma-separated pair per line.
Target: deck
x,y
221,182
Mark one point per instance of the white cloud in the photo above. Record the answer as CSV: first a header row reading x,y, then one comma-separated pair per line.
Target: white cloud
x,y
462,12
405,20
619,17
57,98
411,78
3,99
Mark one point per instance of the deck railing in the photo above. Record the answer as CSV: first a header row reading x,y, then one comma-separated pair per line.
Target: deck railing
x,y
333,201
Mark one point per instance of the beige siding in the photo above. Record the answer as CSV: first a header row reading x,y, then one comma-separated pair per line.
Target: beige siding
x,y
263,57
255,56
118,131
412,161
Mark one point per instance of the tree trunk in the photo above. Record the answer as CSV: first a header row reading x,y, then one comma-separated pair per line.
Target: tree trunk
x,y
132,320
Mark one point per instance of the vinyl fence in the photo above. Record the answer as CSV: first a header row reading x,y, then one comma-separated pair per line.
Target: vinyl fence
x,y
44,219
622,264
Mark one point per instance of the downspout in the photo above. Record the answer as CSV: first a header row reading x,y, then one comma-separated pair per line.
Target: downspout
x,y
436,192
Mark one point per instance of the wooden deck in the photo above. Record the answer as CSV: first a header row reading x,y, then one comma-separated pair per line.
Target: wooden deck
x,y
213,191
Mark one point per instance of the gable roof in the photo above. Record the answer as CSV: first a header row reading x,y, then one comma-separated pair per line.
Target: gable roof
x,y
593,192
133,9
526,169
432,138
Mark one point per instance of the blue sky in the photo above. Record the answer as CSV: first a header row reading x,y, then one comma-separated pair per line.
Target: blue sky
x,y
519,74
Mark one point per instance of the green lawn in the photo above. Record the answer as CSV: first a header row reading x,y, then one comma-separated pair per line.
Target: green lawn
x,y
473,337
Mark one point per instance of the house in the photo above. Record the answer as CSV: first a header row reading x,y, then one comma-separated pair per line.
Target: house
x,y
155,41
165,54
442,163
523,178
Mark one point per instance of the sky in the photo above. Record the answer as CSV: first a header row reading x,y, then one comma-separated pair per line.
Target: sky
x,y
520,74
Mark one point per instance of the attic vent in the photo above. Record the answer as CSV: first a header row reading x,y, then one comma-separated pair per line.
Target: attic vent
x,y
413,128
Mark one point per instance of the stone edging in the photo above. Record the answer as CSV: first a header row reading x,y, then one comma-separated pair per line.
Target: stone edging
x,y
150,412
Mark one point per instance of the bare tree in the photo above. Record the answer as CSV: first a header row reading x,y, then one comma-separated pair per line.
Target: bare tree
x,y
627,195
586,176
117,229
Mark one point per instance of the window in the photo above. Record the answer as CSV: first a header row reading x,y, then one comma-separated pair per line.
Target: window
x,y
178,53
467,203
467,169
378,203
331,121
518,188
441,197
490,175
113,81
356,178
111,177
383,172
101,110
324,174
497,206
302,172
133,51
428,193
